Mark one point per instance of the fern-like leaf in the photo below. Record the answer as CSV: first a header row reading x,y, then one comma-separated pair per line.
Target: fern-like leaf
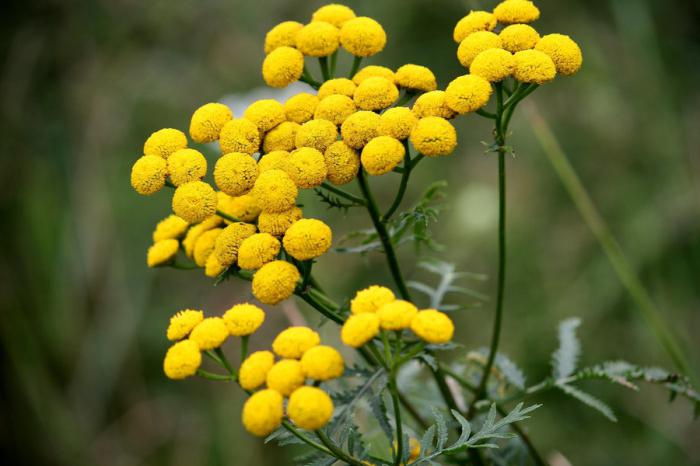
x,y
565,358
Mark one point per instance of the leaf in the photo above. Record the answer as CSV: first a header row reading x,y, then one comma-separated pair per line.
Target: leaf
x,y
441,428
566,356
334,201
378,407
589,400
426,442
447,274
466,430
510,371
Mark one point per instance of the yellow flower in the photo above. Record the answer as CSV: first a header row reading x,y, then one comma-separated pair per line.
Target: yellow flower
x,y
362,36
194,201
434,136
493,65
375,93
322,363
333,13
342,163
301,107
468,93
257,250
274,282
171,227
373,71
335,108
210,333
473,22
516,11
235,173
342,86
517,37
318,39
186,165
281,138
274,160
182,360
564,52
396,315
359,329
164,142
533,66
262,412
317,134
275,191
182,323
213,268
371,299
286,376
148,174
382,154
254,369
310,408
162,252
307,238
416,77
306,167
229,241
240,135
245,207
243,319
282,67
204,246
196,231
413,449
433,326
207,122
293,342
265,114
432,104
359,128
276,223
397,122
282,35
476,43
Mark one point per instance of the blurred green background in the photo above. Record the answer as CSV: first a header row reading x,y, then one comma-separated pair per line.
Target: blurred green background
x,y
82,319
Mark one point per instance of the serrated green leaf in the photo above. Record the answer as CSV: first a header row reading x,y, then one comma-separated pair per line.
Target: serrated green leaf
x,y
566,356
588,400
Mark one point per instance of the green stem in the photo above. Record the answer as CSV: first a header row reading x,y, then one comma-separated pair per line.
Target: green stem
x,y
394,390
179,266
344,194
334,62
335,451
320,307
402,187
287,425
220,353
212,376
228,217
486,114
325,71
408,95
244,347
356,61
308,79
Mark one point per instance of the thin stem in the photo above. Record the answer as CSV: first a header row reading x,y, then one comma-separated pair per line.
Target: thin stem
x,y
335,451
355,66
408,95
320,307
244,347
224,361
308,79
212,376
486,114
402,187
287,425
341,193
179,266
334,62
228,217
325,71
534,454
394,390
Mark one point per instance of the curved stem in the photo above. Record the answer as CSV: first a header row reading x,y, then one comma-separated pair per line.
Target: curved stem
x,y
335,451
228,217
402,187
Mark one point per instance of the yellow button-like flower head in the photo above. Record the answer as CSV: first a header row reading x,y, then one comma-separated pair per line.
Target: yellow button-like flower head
x,y
274,282
335,108
476,43
310,408
306,167
342,163
516,11
301,107
362,37
317,134
162,252
322,363
171,227
307,238
235,173
517,37
282,35
195,231
373,71
468,93
396,315
359,128
375,93
533,66
342,86
318,39
148,174
286,376
240,135
164,142
473,22
432,104
277,223
493,65
371,299
416,77
182,323
257,250
434,136
194,201
433,326
282,67
230,240
210,333
254,369
397,122
293,342
274,160
359,329
207,122
281,138
244,208
564,52
333,13
243,319
204,246
382,154
262,412
275,191
265,114
213,268
182,360
186,165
